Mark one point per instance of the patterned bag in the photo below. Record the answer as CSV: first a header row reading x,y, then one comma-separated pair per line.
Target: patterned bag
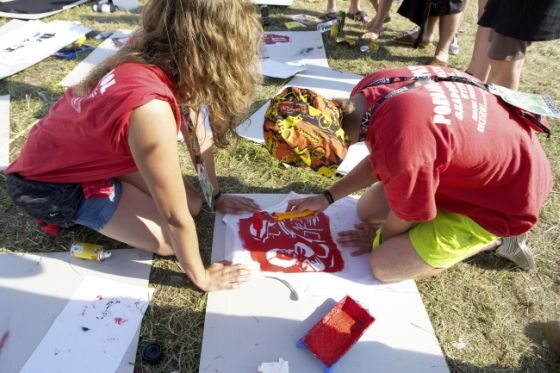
x,y
303,129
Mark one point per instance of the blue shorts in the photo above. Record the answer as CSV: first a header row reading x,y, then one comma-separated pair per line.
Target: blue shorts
x,y
95,212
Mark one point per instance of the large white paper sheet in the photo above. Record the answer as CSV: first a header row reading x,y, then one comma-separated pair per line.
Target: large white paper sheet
x,y
13,25
342,216
4,131
101,53
94,330
356,152
401,340
298,47
276,69
273,2
33,43
40,15
35,288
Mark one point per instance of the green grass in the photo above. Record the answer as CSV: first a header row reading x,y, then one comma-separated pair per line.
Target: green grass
x,y
494,309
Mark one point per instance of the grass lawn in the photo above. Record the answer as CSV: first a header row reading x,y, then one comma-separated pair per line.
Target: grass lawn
x,y
487,315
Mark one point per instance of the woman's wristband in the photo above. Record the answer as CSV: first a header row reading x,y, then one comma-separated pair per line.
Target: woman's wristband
x,y
328,196
216,196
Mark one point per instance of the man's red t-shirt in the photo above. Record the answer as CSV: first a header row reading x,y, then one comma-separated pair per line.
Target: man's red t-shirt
x,y
85,138
455,147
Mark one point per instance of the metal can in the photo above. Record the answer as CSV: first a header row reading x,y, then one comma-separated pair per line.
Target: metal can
x,y
364,48
89,251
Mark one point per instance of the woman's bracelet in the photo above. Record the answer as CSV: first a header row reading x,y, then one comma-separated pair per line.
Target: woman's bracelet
x,y
216,196
327,194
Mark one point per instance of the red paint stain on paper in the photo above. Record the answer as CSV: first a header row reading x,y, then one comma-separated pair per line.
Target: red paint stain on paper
x,y
275,39
4,339
56,352
119,320
99,297
292,245
83,313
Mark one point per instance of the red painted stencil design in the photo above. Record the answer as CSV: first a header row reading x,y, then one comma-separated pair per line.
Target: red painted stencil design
x,y
291,245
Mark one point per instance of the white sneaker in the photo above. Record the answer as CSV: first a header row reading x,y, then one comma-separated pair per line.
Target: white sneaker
x,y
454,46
516,250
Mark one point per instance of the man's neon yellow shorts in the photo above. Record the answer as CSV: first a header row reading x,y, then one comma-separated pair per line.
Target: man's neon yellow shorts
x,y
448,239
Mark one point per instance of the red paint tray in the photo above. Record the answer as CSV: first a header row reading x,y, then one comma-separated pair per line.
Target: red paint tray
x,y
337,332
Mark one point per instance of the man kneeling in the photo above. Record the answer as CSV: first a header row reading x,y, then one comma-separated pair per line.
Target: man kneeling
x,y
452,169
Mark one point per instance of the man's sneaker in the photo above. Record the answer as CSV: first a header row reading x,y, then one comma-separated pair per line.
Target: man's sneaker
x,y
516,250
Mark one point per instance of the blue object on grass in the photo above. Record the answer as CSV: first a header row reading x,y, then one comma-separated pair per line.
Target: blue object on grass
x,y
70,53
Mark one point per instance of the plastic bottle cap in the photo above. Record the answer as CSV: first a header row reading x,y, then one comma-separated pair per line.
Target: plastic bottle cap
x,y
152,353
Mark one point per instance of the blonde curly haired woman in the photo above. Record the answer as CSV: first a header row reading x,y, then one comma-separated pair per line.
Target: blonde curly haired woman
x,y
111,141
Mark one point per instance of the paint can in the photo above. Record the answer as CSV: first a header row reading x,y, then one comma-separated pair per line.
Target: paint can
x,y
89,251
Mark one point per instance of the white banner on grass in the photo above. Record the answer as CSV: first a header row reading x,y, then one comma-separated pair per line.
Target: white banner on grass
x,y
94,330
34,42
105,50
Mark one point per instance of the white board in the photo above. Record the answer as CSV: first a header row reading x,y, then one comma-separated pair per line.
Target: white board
x,y
260,322
34,42
94,330
35,288
40,15
297,47
273,2
101,53
4,131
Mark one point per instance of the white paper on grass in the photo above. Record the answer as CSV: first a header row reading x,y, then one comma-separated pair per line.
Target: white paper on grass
x,y
303,48
35,42
401,340
275,69
356,152
273,2
40,15
94,330
126,4
342,216
100,54
11,26
4,131
46,282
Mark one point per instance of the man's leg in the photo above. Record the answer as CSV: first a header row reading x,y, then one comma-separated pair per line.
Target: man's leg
x,y
507,56
331,6
506,73
373,207
448,27
479,66
398,260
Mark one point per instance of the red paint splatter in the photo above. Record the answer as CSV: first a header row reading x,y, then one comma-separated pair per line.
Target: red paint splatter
x,y
56,352
84,311
99,297
339,330
292,245
119,320
4,339
275,39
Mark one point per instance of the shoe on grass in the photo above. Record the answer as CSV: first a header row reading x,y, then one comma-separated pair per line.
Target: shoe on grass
x,y
515,249
409,40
